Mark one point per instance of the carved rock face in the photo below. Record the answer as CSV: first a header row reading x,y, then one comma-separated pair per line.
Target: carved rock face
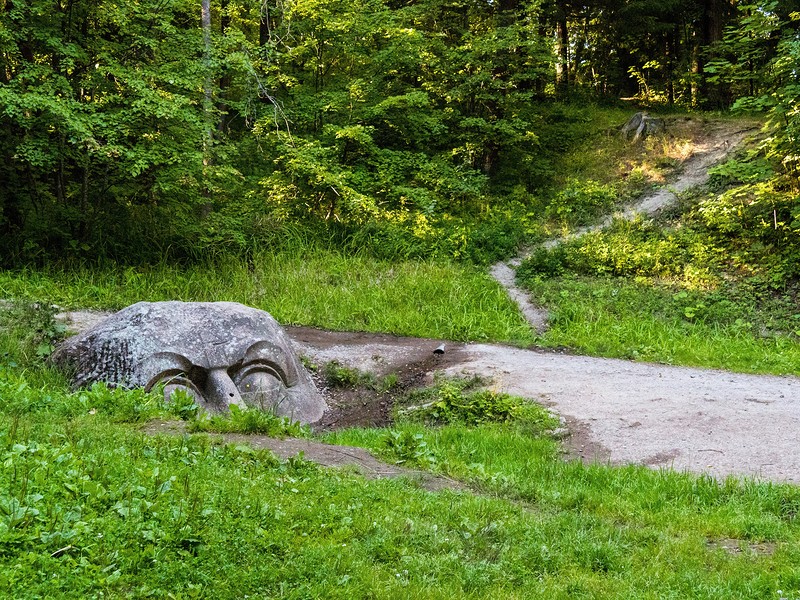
x,y
221,353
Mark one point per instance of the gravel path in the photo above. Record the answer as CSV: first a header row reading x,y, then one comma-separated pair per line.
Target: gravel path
x,y
617,411
704,421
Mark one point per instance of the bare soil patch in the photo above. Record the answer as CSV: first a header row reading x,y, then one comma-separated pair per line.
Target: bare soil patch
x,y
412,360
616,411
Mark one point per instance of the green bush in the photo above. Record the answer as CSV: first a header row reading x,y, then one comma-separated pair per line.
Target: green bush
x,y
581,202
407,447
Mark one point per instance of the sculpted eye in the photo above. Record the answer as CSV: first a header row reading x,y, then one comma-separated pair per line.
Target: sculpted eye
x,y
261,387
174,372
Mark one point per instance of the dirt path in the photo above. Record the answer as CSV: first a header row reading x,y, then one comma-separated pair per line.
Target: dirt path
x,y
716,142
506,276
720,139
699,420
662,416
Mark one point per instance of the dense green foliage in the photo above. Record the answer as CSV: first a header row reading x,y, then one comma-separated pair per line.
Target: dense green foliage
x,y
126,135
424,129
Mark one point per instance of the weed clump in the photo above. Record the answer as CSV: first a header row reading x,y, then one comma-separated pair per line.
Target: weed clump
x,y
337,375
408,447
34,329
463,401
249,421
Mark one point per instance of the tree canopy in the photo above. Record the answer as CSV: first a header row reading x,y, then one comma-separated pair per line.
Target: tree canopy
x,y
421,127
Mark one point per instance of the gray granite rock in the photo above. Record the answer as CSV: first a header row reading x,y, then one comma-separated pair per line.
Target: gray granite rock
x,y
221,353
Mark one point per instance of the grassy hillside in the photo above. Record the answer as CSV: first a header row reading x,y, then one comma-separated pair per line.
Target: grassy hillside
x,y
711,282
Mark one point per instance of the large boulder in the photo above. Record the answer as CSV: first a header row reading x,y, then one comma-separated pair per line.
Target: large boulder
x,y
220,353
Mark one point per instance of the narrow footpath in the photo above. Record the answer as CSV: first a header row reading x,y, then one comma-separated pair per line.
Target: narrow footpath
x,y
721,139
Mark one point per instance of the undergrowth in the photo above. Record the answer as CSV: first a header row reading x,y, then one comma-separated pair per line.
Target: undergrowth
x,y
339,376
601,171
713,282
642,320
467,401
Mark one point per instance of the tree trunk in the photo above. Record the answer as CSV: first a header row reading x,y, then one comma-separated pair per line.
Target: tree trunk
x,y
562,49
543,30
672,62
225,79
208,105
205,14
715,13
264,26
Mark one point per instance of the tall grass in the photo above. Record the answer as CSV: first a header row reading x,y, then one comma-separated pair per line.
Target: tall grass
x,y
617,318
323,288
605,532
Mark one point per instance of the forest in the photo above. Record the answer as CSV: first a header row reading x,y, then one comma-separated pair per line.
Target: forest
x,y
135,132
359,170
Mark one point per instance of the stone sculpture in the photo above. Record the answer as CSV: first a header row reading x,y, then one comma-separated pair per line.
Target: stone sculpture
x,y
220,353
641,125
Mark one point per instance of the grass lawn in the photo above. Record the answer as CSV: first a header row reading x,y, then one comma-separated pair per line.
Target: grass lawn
x,y
320,288
92,507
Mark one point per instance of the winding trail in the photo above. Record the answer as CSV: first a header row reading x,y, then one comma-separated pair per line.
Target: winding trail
x,y
719,140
